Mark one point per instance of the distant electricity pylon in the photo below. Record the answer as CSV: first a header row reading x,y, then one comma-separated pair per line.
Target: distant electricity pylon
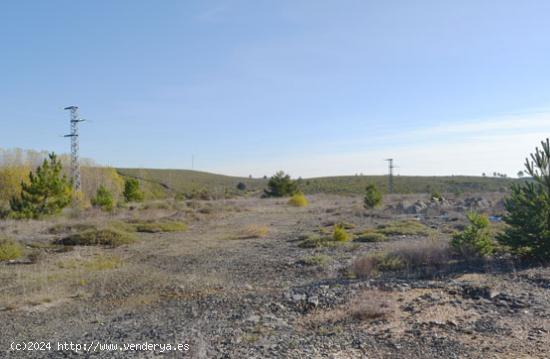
x,y
390,175
75,163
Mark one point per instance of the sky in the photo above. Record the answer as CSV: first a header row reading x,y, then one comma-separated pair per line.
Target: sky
x,y
311,87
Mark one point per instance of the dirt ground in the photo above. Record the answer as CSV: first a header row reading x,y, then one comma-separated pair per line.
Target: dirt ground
x,y
237,284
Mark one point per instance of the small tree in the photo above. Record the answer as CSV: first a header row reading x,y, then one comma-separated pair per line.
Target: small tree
x,y
241,186
373,197
528,209
46,193
521,174
476,238
281,185
103,199
132,192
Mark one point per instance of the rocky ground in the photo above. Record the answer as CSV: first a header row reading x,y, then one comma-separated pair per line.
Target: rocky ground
x,y
237,284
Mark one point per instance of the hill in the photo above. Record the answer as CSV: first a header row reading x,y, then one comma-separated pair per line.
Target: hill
x,y
162,182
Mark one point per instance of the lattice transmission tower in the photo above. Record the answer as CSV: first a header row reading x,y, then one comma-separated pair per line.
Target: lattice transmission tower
x,y
75,162
390,175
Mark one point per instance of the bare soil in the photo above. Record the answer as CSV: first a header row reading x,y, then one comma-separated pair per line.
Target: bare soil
x,y
237,284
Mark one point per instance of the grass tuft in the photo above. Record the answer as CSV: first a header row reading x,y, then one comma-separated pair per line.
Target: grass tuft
x,y
371,236
254,231
10,249
339,234
161,227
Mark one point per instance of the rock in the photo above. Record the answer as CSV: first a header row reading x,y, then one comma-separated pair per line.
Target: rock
x,y
313,301
253,318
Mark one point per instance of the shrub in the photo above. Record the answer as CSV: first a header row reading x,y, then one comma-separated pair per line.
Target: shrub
x,y
528,208
101,237
436,196
410,256
46,193
339,234
132,191
298,200
373,197
241,186
161,226
371,264
281,185
476,237
103,199
10,249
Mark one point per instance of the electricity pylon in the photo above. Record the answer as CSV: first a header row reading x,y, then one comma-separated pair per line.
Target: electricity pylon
x,y
75,162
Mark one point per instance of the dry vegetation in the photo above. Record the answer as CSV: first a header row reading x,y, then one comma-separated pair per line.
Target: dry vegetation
x,y
331,276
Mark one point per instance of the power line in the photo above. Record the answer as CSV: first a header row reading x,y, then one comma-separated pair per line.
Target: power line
x,y
75,147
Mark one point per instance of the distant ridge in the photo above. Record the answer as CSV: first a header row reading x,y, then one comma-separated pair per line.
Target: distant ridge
x,y
186,181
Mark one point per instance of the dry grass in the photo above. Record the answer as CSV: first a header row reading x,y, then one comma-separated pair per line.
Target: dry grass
x,y
97,263
409,256
254,231
404,228
316,260
367,306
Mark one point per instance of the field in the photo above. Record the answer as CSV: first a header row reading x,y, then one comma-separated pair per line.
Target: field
x,y
252,277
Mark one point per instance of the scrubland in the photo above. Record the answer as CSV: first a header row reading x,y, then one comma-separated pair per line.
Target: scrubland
x,y
257,277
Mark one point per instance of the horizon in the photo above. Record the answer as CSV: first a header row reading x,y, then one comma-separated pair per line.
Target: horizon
x,y
316,89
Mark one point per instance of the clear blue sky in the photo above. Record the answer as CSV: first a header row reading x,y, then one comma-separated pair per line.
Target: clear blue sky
x,y
312,87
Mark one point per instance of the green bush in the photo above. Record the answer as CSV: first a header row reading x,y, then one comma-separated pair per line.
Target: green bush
x,y
476,237
281,185
132,191
373,197
46,193
298,200
339,234
9,249
241,186
98,237
103,199
528,209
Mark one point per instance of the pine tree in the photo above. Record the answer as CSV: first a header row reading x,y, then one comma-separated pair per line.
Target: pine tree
x,y
373,197
528,209
46,193
103,199
281,185
132,192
